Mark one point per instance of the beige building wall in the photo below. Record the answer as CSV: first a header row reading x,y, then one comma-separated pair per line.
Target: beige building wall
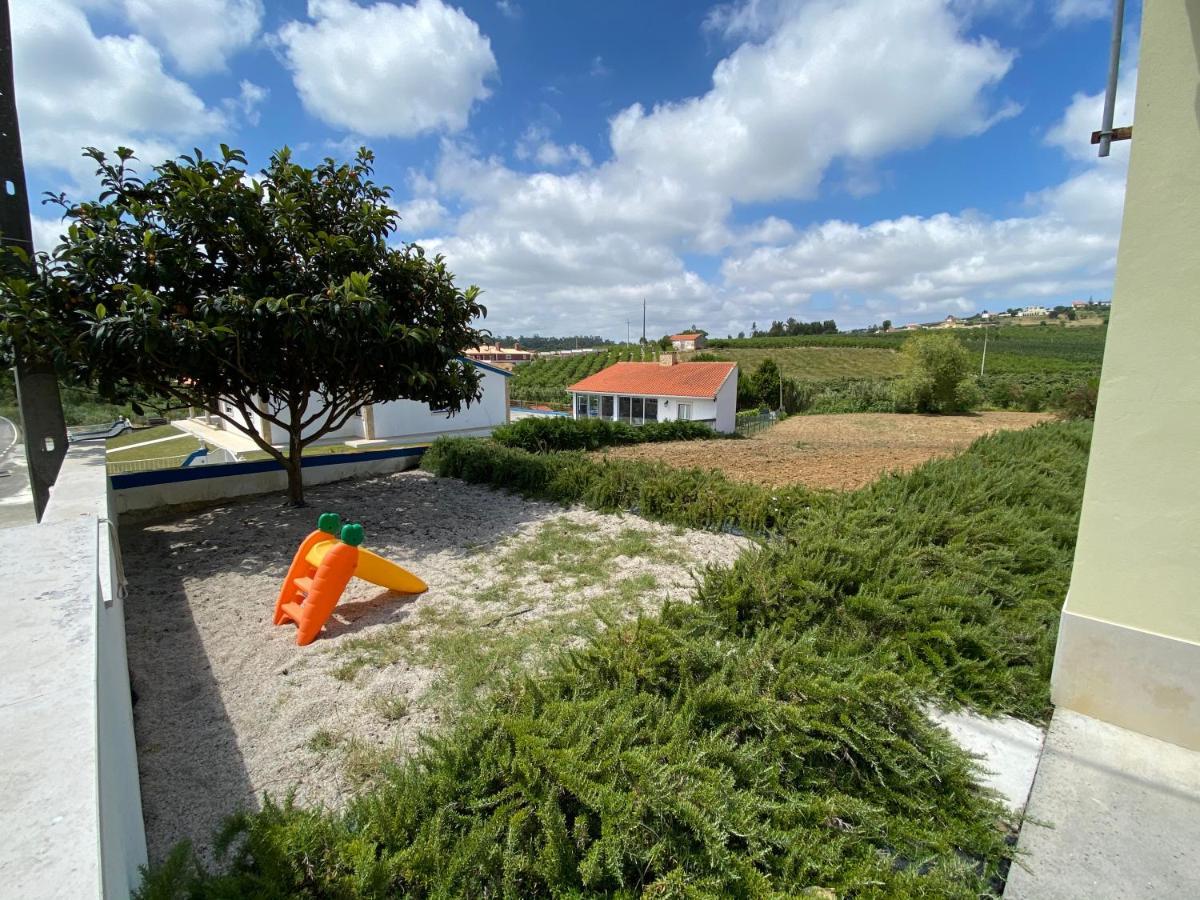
x,y
1129,643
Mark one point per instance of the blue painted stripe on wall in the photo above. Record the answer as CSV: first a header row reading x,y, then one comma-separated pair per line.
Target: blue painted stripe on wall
x,y
223,470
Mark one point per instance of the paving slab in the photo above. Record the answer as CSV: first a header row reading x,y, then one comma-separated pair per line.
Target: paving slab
x,y
1008,751
1113,813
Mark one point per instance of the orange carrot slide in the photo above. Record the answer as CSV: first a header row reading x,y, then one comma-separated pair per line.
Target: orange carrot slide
x,y
322,590
328,526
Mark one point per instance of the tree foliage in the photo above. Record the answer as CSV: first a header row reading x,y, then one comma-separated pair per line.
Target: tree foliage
x,y
937,376
277,296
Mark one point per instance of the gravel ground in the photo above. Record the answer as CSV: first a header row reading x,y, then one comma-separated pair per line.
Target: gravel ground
x,y
228,707
843,452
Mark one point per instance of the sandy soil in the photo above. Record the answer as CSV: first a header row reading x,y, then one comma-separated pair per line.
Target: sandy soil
x,y
837,451
228,707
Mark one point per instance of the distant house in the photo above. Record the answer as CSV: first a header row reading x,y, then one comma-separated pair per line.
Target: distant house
x,y
406,420
494,353
985,315
1079,304
1034,311
690,340
663,391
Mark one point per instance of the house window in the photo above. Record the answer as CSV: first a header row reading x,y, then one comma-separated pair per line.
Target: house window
x,y
623,409
683,411
651,409
606,407
593,407
581,406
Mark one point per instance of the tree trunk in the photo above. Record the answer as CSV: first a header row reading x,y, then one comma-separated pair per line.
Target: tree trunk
x,y
295,473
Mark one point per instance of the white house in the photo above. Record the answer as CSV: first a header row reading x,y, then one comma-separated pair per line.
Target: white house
x,y
1034,311
663,391
408,420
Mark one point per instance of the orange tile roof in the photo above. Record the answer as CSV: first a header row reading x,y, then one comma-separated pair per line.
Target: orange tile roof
x,y
686,379
686,336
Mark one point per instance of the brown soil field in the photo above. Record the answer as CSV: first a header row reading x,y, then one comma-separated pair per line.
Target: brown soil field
x,y
842,452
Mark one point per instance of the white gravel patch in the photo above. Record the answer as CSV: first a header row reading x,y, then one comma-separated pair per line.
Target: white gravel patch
x,y
228,707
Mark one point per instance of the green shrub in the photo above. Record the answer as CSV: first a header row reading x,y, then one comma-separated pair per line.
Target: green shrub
x,y
937,376
544,434
688,497
1080,402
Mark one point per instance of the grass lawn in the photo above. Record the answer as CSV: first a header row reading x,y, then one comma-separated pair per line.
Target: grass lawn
x,y
126,451
326,449
139,435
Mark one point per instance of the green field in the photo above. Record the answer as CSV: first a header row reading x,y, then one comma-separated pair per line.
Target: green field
x,y
1044,362
545,379
1011,349
817,363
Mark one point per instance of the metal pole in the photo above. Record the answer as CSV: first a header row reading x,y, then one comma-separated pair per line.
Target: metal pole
x,y
1114,63
44,429
983,362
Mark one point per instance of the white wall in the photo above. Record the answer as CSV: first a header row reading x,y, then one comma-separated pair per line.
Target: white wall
x,y
244,484
726,405
410,420
416,421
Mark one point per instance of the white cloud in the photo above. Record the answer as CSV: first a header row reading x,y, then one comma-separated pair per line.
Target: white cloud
x,y
388,70
914,267
199,35
422,215
833,80
1069,11
509,9
535,144
76,89
47,231
250,97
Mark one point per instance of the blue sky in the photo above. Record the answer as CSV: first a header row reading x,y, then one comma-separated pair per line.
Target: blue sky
x,y
731,163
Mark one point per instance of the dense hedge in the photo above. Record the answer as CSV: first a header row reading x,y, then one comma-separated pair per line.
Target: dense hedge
x,y
685,497
543,434
767,739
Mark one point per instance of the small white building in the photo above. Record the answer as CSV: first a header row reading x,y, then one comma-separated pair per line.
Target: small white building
x,y
408,420
689,340
663,391
1030,311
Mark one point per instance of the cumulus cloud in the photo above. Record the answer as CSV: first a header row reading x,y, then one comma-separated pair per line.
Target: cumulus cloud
x,y
388,70
535,144
199,35
76,89
832,80
914,267
1069,11
826,82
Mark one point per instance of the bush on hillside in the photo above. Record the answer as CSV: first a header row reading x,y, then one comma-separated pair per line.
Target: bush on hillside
x,y
937,377
1080,402
547,434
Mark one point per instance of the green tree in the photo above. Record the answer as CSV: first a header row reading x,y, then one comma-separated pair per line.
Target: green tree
x,y
887,325
937,376
277,296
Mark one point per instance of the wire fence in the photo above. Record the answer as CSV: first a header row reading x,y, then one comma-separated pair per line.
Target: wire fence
x,y
146,465
750,424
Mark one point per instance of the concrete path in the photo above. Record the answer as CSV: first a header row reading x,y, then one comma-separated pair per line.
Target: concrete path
x,y
169,437
1113,813
16,499
233,441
